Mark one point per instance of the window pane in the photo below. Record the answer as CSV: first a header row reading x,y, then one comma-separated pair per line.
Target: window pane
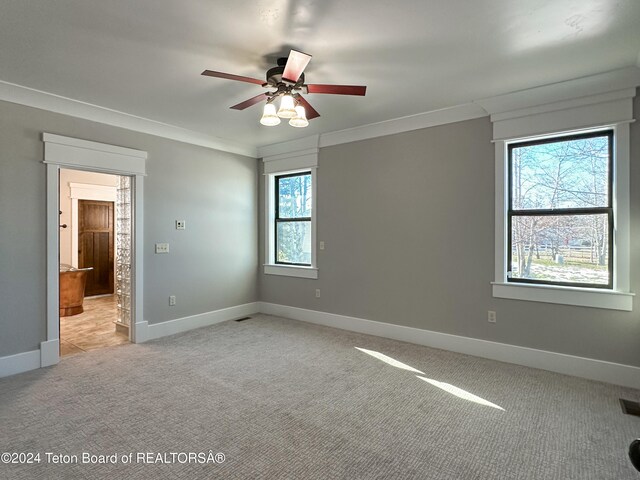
x,y
294,196
294,242
570,249
561,174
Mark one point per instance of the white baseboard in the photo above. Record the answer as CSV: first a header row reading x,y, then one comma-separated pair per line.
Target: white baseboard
x,y
600,370
47,355
171,327
592,369
20,362
49,352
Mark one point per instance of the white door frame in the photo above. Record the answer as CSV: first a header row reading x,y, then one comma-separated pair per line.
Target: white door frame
x,y
84,155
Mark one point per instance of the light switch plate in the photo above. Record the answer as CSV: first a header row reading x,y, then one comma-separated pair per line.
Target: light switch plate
x,y
181,225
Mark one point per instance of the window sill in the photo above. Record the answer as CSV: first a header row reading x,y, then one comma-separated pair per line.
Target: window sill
x,y
583,297
291,271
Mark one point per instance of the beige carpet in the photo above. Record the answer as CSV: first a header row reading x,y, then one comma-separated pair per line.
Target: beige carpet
x,y
285,399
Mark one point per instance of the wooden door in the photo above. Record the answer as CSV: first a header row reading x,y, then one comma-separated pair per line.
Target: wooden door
x,y
95,245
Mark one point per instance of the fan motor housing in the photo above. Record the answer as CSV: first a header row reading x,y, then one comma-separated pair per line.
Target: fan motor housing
x,y
274,76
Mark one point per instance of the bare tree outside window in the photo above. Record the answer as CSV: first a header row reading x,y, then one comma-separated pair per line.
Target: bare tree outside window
x,y
560,210
293,219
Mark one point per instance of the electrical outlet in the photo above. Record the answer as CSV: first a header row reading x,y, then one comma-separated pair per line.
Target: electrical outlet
x,y
317,293
491,316
181,225
172,300
321,245
162,248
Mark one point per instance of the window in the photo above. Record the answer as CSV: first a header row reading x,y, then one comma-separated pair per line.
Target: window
x,y
290,212
292,229
560,216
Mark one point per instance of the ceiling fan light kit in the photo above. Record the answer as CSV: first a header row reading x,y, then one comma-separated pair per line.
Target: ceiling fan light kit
x,y
288,81
287,107
269,116
300,120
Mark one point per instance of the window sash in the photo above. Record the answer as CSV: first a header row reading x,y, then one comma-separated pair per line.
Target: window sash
x,y
278,220
558,212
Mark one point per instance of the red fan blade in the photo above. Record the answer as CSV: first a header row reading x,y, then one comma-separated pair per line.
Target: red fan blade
x,y
229,76
309,110
251,101
338,89
296,63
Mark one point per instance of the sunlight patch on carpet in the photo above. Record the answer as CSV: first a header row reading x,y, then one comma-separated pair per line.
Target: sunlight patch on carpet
x,y
389,360
458,392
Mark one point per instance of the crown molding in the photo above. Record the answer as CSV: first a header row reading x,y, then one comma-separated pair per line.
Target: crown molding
x,y
498,107
433,118
13,93
300,145
602,98
589,86
459,113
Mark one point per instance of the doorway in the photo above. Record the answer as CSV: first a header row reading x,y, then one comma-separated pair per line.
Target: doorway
x,y
130,164
95,226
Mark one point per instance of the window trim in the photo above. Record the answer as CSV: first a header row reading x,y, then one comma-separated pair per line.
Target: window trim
x,y
277,219
270,267
608,210
619,296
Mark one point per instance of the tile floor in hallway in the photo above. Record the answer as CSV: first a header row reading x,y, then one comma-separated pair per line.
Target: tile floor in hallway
x,y
92,329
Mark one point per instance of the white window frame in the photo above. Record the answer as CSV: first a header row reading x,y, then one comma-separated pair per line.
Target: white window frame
x,y
284,164
617,298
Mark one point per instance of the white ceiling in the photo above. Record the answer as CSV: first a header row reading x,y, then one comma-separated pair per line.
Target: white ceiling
x,y
144,57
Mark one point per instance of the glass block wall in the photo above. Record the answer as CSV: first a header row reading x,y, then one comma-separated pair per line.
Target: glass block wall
x,y
123,250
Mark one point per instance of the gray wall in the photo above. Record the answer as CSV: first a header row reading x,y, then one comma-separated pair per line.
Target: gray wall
x,y
212,264
408,225
407,220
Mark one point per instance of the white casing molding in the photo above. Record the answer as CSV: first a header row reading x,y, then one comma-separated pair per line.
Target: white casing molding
x,y
580,297
603,101
594,111
10,92
87,191
53,258
49,352
290,157
89,156
84,154
592,369
137,291
291,270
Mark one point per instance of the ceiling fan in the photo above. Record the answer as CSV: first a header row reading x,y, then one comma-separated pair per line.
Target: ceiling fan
x,y
286,81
